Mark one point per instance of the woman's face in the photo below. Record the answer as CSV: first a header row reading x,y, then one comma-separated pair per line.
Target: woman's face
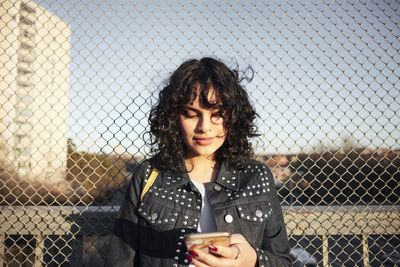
x,y
202,128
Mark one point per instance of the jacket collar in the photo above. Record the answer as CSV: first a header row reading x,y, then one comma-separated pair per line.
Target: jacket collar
x,y
228,179
225,178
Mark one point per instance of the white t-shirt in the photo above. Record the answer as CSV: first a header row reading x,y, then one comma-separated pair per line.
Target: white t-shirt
x,y
207,221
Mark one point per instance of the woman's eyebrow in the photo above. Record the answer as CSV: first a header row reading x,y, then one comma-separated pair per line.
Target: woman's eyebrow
x,y
190,108
197,110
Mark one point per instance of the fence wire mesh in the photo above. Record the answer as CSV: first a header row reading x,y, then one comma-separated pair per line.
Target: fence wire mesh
x,y
77,80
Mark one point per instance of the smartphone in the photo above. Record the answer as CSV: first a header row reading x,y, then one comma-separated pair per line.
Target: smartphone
x,y
203,240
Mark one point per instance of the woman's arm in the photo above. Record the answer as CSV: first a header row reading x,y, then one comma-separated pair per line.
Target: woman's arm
x,y
124,240
274,250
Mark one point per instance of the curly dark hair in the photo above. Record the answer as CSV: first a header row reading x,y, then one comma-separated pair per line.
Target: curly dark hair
x,y
233,103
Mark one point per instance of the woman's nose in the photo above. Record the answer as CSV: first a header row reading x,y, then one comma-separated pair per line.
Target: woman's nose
x,y
204,124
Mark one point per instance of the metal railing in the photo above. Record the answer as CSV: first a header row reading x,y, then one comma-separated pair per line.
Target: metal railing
x,y
79,222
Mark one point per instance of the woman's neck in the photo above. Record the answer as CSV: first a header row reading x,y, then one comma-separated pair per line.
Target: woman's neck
x,y
202,169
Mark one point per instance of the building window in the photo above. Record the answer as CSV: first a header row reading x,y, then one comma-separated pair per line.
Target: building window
x,y
26,99
27,34
24,112
25,20
17,152
24,71
20,137
24,84
25,59
26,46
27,8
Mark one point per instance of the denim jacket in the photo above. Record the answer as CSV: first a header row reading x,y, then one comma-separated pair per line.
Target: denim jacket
x,y
150,232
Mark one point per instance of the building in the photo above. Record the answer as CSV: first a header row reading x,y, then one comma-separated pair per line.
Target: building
x,y
34,71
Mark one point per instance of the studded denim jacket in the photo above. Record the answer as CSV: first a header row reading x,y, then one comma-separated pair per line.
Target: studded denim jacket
x,y
150,232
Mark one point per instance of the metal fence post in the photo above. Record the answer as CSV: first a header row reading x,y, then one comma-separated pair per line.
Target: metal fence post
x,y
2,245
39,251
365,251
325,251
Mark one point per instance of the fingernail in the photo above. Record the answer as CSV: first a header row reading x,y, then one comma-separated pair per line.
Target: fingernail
x,y
189,258
213,248
194,253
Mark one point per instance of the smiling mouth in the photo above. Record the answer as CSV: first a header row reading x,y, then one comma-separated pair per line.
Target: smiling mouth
x,y
204,141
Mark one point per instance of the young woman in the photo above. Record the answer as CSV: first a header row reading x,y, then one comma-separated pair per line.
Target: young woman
x,y
206,182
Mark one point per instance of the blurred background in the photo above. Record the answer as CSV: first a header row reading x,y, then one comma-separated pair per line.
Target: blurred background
x,y
78,78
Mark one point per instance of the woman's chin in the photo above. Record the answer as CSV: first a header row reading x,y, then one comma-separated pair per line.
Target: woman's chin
x,y
201,153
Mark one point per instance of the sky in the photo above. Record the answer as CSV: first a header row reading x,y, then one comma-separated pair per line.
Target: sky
x,y
324,71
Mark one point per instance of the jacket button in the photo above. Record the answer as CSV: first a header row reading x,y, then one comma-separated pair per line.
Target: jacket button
x,y
259,213
154,216
217,187
228,218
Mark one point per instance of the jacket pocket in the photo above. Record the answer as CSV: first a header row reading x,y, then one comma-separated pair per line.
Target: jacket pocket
x,y
158,215
252,219
254,212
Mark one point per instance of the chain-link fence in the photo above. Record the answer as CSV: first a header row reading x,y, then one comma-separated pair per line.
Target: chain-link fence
x,y
77,79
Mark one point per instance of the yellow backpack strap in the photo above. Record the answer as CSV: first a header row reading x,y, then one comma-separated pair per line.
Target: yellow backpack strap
x,y
149,183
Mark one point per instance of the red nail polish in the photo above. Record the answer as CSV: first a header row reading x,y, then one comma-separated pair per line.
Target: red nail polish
x,y
213,248
189,258
194,253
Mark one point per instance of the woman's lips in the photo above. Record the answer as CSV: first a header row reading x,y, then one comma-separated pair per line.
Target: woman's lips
x,y
204,141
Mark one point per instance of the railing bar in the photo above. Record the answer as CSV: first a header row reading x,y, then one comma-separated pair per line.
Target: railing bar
x,y
2,245
325,251
39,250
364,243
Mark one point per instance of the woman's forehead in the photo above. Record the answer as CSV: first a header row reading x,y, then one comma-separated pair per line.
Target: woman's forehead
x,y
211,95
207,94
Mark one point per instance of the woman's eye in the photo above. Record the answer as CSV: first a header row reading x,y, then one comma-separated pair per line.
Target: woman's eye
x,y
219,114
216,117
188,114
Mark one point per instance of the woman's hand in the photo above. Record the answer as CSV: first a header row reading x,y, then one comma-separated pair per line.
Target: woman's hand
x,y
239,253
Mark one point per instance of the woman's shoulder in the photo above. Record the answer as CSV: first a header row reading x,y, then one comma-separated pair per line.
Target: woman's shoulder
x,y
253,166
145,163
140,173
253,163
144,167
